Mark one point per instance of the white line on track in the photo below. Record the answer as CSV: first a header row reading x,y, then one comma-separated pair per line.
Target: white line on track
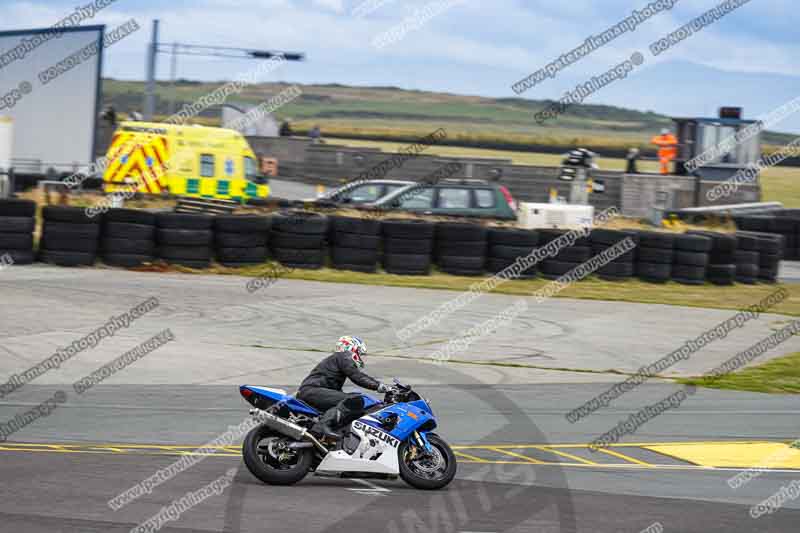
x,y
373,489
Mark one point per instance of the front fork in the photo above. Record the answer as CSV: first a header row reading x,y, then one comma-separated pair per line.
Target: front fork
x,y
422,441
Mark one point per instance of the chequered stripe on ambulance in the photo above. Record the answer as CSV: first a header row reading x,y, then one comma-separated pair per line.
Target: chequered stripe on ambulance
x,y
132,159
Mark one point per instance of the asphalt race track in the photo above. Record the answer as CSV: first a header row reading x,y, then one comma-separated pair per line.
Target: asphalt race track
x,y
522,465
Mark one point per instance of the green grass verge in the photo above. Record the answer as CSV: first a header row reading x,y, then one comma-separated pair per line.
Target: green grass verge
x,y
780,375
704,296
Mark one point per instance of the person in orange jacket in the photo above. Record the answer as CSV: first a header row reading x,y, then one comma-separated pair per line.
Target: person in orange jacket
x,y
667,149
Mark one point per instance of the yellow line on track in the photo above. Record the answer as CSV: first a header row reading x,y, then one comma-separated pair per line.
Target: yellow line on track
x,y
519,456
710,455
623,457
471,458
567,455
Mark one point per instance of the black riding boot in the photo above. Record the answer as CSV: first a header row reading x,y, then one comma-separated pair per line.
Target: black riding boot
x,y
326,425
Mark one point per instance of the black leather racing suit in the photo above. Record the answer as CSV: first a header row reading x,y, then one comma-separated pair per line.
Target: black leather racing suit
x,y
322,389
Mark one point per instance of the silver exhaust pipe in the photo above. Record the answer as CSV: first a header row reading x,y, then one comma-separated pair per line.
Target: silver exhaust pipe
x,y
284,427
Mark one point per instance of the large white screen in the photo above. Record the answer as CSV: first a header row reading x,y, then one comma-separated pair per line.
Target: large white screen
x,y
55,123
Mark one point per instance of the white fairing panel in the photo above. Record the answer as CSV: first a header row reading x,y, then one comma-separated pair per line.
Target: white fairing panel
x,y
377,453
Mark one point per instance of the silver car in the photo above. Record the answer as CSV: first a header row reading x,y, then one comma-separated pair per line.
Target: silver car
x,y
363,192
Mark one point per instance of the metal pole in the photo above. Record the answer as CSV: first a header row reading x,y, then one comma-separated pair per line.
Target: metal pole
x,y
150,90
173,73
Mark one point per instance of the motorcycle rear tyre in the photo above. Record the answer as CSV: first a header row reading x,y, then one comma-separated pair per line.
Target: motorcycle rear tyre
x,y
266,473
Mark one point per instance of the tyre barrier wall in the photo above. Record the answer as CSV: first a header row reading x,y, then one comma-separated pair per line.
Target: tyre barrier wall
x,y
69,236
299,239
17,223
128,237
407,246
355,244
241,240
785,223
506,245
184,239
460,248
567,258
307,240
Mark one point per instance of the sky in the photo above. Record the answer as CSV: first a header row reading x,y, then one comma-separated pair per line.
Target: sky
x,y
748,58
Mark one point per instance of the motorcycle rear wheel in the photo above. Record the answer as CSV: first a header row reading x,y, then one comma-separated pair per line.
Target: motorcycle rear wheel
x,y
267,467
428,473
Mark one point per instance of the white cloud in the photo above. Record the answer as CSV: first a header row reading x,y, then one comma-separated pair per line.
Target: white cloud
x,y
334,5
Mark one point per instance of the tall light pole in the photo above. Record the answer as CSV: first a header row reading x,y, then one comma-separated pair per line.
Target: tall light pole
x,y
150,90
176,49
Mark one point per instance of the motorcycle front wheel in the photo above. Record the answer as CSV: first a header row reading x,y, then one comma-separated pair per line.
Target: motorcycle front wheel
x,y
266,457
427,471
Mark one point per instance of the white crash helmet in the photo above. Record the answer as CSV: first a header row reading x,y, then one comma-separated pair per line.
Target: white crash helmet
x,y
354,346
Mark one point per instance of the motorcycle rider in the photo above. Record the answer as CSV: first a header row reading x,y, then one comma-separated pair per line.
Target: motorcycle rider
x,y
322,388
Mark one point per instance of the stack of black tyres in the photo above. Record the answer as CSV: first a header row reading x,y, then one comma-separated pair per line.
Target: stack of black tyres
x,y
298,239
748,253
567,257
623,267
70,237
655,256
185,239
128,237
721,268
407,246
691,259
241,240
508,244
355,244
461,248
788,225
756,223
770,248
17,223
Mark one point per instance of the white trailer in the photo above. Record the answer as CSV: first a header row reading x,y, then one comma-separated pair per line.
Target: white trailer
x,y
53,98
6,143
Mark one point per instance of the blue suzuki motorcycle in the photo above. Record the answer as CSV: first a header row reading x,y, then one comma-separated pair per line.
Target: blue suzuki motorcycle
x,y
394,437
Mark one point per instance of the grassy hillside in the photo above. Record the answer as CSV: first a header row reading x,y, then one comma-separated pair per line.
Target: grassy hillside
x,y
393,114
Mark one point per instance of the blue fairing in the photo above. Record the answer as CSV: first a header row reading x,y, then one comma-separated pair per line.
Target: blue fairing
x,y
369,401
411,416
291,402
295,405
